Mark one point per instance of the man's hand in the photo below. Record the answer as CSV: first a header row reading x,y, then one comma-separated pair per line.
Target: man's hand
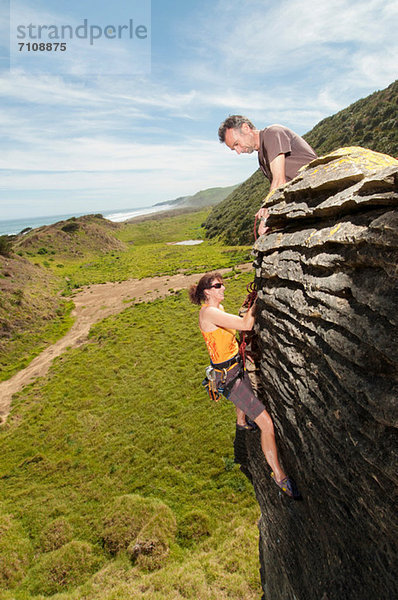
x,y
263,214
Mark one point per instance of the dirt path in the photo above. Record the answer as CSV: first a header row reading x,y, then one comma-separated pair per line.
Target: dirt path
x,y
93,304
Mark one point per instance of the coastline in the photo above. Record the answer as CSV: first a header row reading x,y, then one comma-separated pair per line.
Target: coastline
x,y
15,226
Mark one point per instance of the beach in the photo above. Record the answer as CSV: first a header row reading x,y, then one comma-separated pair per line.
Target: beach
x,y
15,226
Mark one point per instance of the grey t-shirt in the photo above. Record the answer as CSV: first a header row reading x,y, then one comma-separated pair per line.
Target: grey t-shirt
x,y
277,139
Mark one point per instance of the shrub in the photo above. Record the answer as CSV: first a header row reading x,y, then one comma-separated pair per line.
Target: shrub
x,y
68,566
144,527
5,245
15,552
70,227
193,527
56,534
17,297
42,251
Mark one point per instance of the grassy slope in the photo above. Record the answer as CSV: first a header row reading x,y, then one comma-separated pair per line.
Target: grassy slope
x,y
144,251
233,219
31,314
126,414
371,122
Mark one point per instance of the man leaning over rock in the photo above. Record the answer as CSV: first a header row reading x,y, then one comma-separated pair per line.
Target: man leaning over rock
x,y
281,152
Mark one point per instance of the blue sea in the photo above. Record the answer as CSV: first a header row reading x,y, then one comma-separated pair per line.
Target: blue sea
x,y
13,226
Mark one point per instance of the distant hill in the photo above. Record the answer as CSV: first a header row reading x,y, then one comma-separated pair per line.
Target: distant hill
x,y
209,197
78,236
371,122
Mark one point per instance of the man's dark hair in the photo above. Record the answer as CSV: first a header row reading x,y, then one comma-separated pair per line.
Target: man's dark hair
x,y
232,122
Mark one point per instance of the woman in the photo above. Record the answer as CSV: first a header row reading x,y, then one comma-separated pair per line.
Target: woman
x,y
218,329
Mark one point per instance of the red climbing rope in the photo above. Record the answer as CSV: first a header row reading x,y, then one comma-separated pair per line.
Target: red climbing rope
x,y
255,228
248,303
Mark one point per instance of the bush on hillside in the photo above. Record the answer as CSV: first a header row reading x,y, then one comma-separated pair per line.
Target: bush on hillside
x,y
56,534
70,227
144,527
68,566
194,527
15,552
5,245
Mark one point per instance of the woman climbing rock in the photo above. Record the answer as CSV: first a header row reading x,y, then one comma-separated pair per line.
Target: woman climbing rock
x,y
218,329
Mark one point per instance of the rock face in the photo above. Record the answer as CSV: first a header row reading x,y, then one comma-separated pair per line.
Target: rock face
x,y
327,320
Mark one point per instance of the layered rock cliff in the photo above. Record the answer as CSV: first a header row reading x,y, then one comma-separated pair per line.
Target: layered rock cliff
x,y
327,322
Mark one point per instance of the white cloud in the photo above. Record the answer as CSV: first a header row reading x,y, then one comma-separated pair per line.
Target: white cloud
x,y
307,44
291,62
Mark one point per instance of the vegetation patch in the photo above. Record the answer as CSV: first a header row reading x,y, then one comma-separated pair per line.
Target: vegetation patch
x,y
5,245
194,527
66,567
55,534
144,527
15,551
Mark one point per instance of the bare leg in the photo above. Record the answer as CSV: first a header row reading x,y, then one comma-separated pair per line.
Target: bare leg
x,y
268,444
240,417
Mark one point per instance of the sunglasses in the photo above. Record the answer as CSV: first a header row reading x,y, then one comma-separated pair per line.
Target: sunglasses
x,y
216,285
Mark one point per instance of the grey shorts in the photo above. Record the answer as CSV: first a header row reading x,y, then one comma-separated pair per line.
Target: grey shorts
x,y
242,394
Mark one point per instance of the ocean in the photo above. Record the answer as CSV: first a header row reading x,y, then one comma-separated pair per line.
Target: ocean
x,y
14,226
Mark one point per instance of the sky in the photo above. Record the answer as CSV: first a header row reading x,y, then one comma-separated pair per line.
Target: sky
x,y
129,122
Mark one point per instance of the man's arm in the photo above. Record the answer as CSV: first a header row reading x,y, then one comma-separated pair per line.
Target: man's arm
x,y
278,179
278,171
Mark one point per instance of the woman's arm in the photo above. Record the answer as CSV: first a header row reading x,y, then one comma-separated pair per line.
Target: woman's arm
x,y
219,318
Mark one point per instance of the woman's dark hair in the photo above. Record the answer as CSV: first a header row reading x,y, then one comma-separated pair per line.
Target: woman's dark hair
x,y
197,292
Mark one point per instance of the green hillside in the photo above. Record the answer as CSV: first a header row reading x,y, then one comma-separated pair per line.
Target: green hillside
x,y
371,122
208,197
233,218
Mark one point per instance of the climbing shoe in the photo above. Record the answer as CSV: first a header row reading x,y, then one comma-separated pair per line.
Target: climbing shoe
x,y
288,486
249,425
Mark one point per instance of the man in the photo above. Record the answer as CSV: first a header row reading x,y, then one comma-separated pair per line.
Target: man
x,y
281,152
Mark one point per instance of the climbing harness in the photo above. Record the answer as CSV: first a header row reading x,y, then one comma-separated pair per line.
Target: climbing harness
x,y
221,388
209,383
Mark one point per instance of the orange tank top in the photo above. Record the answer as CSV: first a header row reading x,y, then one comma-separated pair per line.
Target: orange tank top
x,y
221,344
